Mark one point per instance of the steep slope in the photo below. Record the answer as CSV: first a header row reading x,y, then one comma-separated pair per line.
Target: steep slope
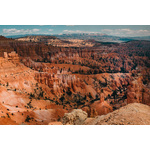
x,y
21,96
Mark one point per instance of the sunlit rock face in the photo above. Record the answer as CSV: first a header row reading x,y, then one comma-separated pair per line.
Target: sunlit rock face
x,y
138,92
18,95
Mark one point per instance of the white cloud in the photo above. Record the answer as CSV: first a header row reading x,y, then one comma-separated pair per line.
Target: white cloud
x,y
77,31
114,32
21,31
106,30
35,30
126,32
50,30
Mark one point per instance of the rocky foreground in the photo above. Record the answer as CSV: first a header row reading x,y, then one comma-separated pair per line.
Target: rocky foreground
x,y
132,114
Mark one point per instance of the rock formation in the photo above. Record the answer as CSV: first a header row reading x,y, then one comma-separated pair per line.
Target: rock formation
x,y
132,114
76,117
138,92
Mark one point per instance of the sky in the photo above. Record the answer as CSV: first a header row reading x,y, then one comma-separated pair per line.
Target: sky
x,y
115,30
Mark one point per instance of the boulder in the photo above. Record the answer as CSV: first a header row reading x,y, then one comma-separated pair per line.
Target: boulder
x,y
76,117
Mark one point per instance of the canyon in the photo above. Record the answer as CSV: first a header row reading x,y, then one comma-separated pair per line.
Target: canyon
x,y
44,78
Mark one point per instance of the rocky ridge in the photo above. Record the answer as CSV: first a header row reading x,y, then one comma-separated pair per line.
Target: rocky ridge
x,y
132,114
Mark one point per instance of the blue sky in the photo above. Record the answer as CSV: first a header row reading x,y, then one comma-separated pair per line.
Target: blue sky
x,y
116,30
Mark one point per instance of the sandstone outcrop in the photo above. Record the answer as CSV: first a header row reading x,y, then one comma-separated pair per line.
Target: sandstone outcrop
x,y
102,108
76,117
132,114
138,92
